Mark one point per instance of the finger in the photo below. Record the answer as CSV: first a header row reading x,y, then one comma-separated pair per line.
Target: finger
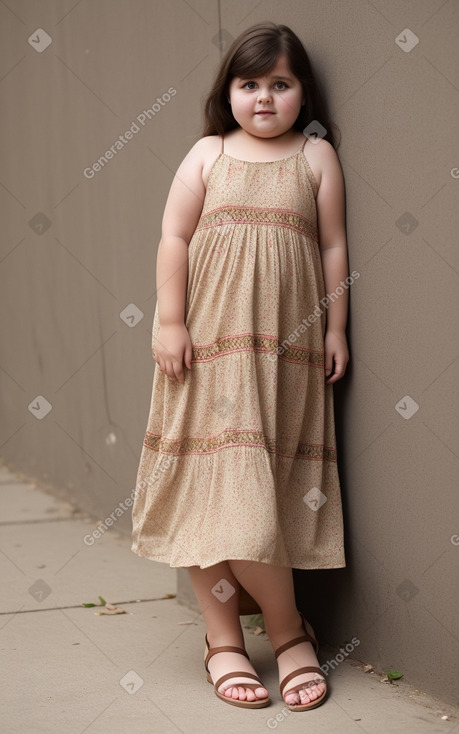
x,y
337,374
188,355
170,370
163,366
340,368
178,372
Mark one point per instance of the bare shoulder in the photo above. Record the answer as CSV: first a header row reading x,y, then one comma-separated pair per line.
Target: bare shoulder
x,y
194,169
210,148
196,154
322,158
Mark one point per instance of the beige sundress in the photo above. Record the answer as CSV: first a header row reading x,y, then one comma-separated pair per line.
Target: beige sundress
x,y
239,462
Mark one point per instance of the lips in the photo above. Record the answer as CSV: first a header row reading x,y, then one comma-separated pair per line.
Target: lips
x,y
265,112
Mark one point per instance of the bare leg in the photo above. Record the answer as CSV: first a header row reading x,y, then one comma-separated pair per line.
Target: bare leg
x,y
220,610
272,588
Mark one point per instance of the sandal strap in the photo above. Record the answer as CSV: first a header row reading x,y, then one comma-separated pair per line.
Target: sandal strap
x,y
299,671
224,648
240,674
296,641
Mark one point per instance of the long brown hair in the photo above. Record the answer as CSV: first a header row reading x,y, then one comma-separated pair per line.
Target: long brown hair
x,y
254,53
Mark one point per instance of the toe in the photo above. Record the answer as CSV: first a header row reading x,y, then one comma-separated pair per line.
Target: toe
x,y
305,697
253,695
292,698
314,691
261,693
242,693
309,693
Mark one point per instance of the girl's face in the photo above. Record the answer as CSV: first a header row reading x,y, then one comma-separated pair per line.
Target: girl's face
x,y
278,93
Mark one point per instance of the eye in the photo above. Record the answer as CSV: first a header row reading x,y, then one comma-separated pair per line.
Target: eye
x,y
283,85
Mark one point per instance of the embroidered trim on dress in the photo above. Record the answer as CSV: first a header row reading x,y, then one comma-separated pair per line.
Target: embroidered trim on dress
x,y
256,215
197,445
258,343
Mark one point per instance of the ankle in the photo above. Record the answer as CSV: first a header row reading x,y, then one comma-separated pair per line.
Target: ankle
x,y
279,634
221,638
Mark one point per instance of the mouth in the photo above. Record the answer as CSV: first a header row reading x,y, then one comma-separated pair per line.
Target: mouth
x,y
264,112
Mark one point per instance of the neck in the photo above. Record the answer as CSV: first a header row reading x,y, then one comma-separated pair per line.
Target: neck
x,y
276,140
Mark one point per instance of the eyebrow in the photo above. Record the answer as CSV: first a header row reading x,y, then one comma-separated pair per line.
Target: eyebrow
x,y
283,78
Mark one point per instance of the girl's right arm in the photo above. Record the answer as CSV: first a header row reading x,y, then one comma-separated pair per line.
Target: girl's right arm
x,y
181,214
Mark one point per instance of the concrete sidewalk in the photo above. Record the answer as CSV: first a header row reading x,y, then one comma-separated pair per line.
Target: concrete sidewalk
x,y
66,670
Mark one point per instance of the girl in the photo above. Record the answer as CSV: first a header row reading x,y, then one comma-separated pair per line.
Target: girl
x,y
238,479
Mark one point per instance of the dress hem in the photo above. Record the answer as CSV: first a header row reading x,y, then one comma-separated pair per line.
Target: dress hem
x,y
166,559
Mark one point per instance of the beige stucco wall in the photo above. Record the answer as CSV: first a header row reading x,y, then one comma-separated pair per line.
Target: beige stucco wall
x,y
76,251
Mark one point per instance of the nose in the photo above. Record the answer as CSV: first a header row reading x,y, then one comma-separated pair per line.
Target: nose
x,y
263,95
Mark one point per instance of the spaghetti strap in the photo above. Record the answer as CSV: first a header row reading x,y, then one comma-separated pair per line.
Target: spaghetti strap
x,y
222,142
304,143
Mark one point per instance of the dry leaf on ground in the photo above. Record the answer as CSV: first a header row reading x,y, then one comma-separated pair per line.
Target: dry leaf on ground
x,y
110,609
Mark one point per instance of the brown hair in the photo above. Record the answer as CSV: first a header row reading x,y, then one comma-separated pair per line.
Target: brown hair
x,y
253,53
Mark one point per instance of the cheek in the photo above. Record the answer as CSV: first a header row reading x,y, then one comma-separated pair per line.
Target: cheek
x,y
241,105
290,102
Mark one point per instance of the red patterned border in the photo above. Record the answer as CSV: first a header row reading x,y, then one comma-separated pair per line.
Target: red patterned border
x,y
257,343
234,437
256,215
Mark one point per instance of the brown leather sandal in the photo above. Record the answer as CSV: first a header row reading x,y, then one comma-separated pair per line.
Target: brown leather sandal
x,y
259,703
307,637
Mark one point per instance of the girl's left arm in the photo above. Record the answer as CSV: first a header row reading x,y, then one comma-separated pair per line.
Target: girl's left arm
x,y
331,216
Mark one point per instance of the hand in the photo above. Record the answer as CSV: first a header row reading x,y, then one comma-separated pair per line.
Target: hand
x,y
172,349
336,356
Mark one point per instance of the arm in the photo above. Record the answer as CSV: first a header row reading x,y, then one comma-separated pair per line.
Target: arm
x,y
333,250
181,214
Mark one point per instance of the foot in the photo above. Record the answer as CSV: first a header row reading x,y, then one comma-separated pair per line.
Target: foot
x,y
225,662
305,687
